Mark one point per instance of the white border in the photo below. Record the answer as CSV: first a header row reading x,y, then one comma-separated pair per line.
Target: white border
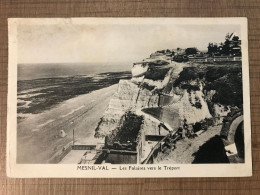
x,y
58,170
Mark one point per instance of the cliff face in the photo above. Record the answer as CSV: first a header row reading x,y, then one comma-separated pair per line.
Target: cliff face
x,y
169,92
192,106
129,97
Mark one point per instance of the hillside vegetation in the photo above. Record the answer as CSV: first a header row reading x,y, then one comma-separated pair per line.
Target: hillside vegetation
x,y
225,80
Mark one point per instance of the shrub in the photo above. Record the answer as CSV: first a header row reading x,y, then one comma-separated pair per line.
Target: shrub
x,y
126,133
198,105
156,73
226,80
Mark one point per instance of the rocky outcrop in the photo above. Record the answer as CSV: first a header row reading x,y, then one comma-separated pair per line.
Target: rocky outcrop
x,y
192,107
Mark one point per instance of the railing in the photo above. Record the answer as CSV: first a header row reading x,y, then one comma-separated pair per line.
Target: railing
x,y
83,147
225,128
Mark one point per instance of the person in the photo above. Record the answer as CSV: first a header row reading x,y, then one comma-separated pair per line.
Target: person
x,y
180,131
190,133
185,128
225,121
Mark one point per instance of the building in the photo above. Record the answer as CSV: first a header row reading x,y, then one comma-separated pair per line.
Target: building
x,y
124,144
231,47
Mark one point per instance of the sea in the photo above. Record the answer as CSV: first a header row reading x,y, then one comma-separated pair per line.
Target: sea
x,y
52,70
42,86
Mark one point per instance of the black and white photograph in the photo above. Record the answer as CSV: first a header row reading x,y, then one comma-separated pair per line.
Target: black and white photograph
x,y
126,94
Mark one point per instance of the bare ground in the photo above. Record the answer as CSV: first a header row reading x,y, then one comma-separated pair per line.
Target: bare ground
x,y
185,148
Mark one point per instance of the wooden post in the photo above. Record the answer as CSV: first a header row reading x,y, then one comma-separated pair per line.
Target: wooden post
x,y
73,136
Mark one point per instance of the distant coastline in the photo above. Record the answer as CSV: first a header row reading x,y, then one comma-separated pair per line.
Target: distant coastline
x,y
30,71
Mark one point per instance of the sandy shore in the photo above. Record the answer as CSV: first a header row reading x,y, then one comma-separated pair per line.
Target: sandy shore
x,y
38,139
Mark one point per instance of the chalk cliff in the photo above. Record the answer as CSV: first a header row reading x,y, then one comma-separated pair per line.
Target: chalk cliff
x,y
153,86
129,97
164,93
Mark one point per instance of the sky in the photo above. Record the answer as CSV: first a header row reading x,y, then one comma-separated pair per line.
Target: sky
x,y
110,44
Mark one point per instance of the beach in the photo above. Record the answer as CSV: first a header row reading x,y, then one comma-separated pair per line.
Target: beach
x,y
38,139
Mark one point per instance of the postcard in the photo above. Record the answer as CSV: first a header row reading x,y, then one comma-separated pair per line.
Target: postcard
x,y
128,97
